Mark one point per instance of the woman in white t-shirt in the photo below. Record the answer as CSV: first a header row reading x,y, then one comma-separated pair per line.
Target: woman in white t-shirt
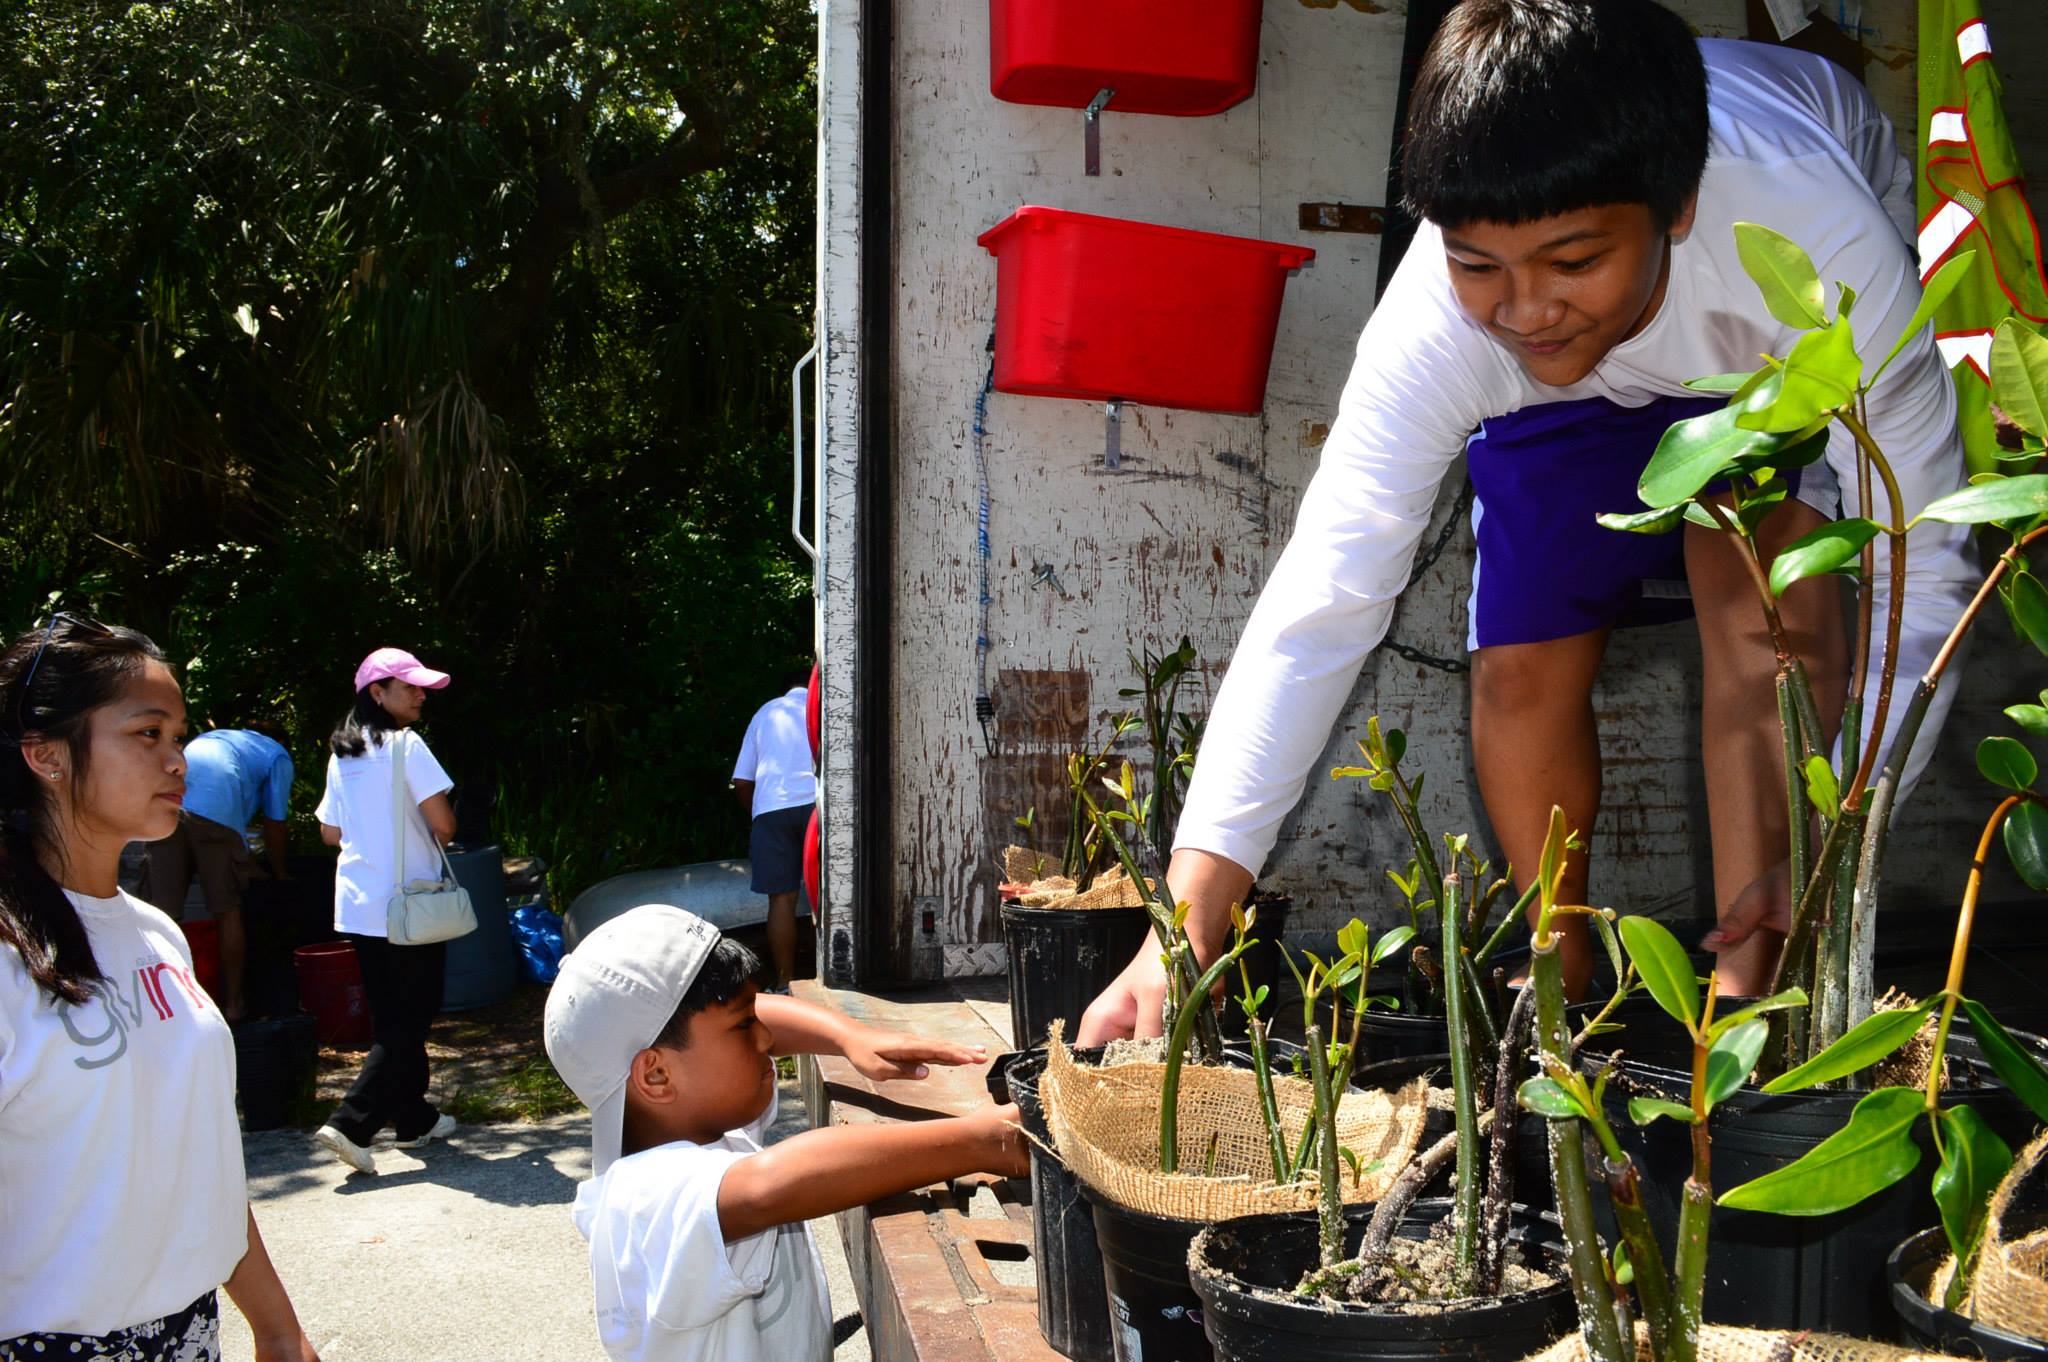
x,y
401,983
122,1192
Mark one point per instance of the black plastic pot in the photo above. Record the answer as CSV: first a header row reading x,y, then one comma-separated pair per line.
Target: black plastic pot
x,y
1072,1313
1796,1272
1245,1270
274,1063
1060,958
1153,1312
1907,1274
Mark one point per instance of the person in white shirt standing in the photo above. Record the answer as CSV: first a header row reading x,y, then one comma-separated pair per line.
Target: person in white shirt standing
x,y
125,1202
401,983
1579,166
775,782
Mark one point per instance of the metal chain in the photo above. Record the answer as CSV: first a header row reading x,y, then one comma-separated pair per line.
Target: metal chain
x,y
1459,510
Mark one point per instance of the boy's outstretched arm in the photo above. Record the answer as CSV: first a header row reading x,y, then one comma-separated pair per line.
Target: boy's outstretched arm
x,y
823,1172
803,1028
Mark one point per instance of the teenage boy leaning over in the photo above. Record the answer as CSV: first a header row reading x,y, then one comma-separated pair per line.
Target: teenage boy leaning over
x,y
698,1247
1579,166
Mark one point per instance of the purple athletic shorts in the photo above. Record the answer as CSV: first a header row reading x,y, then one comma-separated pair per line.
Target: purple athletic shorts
x,y
1545,569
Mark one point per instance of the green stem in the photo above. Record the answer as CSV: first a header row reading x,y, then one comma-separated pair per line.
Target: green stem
x,y
1653,1284
1465,1096
1330,1192
1517,916
1176,1051
1603,1319
1269,1103
1798,819
1834,1022
1697,1201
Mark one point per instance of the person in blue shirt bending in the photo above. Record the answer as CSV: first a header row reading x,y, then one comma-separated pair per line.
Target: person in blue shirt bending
x,y
233,777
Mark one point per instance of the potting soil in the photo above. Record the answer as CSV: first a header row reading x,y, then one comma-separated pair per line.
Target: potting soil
x,y
1722,1343
1414,1276
1105,1121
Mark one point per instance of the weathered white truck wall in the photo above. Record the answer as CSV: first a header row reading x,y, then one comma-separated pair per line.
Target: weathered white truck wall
x,y
1180,539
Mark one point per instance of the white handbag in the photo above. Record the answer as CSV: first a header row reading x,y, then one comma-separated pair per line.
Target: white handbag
x,y
423,911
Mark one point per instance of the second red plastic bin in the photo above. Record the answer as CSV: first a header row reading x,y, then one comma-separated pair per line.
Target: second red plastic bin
x,y
331,988
1107,309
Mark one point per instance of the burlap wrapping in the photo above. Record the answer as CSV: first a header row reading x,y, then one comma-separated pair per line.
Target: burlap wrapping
x,y
2011,1288
1723,1343
1112,888
1105,1124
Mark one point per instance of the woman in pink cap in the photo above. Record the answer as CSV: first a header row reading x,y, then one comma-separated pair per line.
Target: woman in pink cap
x,y
402,983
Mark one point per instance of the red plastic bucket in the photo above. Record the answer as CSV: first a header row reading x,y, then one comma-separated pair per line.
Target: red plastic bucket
x,y
1160,56
1105,309
331,988
203,939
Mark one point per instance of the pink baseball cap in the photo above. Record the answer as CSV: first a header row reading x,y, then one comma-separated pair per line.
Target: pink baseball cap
x,y
388,664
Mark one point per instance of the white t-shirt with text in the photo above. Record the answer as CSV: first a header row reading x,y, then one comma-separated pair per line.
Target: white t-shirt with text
x,y
776,755
358,801
122,1193
671,1289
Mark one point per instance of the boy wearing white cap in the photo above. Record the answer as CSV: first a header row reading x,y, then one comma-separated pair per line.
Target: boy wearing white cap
x,y
698,1247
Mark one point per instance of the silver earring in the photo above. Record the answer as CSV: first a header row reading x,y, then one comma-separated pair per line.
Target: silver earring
x,y
53,774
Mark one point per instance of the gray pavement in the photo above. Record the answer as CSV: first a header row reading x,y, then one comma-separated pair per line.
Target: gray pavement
x,y
459,1252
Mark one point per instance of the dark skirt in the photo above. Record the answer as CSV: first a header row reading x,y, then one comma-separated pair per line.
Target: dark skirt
x,y
188,1335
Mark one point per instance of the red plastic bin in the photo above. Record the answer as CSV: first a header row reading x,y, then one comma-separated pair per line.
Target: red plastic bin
x,y
1106,309
1160,56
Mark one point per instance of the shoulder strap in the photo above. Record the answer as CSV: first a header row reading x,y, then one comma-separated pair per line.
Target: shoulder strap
x,y
395,744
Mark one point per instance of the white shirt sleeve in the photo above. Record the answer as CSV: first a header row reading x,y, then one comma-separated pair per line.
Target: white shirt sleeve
x,y
750,751
1412,398
424,777
328,810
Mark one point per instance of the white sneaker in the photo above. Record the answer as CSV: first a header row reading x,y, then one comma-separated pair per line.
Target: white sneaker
x,y
347,1150
440,1130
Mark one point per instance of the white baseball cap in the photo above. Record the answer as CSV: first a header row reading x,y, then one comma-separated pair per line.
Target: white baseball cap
x,y
616,992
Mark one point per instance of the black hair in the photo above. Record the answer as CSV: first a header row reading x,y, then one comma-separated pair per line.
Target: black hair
x,y
725,974
51,680
366,722
1524,109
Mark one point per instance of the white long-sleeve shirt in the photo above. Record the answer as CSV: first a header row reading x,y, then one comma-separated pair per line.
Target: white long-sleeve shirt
x,y
1794,144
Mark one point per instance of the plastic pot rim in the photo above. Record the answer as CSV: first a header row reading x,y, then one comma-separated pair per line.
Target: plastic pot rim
x,y
1923,1315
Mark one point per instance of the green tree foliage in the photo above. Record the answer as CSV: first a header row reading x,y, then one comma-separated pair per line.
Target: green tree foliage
x,y
461,325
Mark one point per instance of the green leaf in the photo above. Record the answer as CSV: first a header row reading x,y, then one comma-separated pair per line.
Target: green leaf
x,y
2019,375
1733,1060
1726,383
1864,1157
1832,546
2026,843
1624,1269
1694,452
1665,968
2028,600
1758,505
1820,786
1845,300
1932,295
1820,376
1392,942
1397,746
1777,1002
1351,937
1550,1099
1998,499
2016,1067
2006,762
1784,274
1660,521
2033,718
1643,1110
1973,1162
1865,1043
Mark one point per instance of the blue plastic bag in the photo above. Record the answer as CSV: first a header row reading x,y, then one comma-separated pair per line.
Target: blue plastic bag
x,y
537,932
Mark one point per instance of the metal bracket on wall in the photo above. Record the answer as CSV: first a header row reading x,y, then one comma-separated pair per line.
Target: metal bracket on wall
x,y
1113,436
1091,130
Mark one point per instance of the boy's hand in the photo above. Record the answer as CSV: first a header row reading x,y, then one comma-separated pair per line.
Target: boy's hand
x,y
883,1055
1765,905
1009,1154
